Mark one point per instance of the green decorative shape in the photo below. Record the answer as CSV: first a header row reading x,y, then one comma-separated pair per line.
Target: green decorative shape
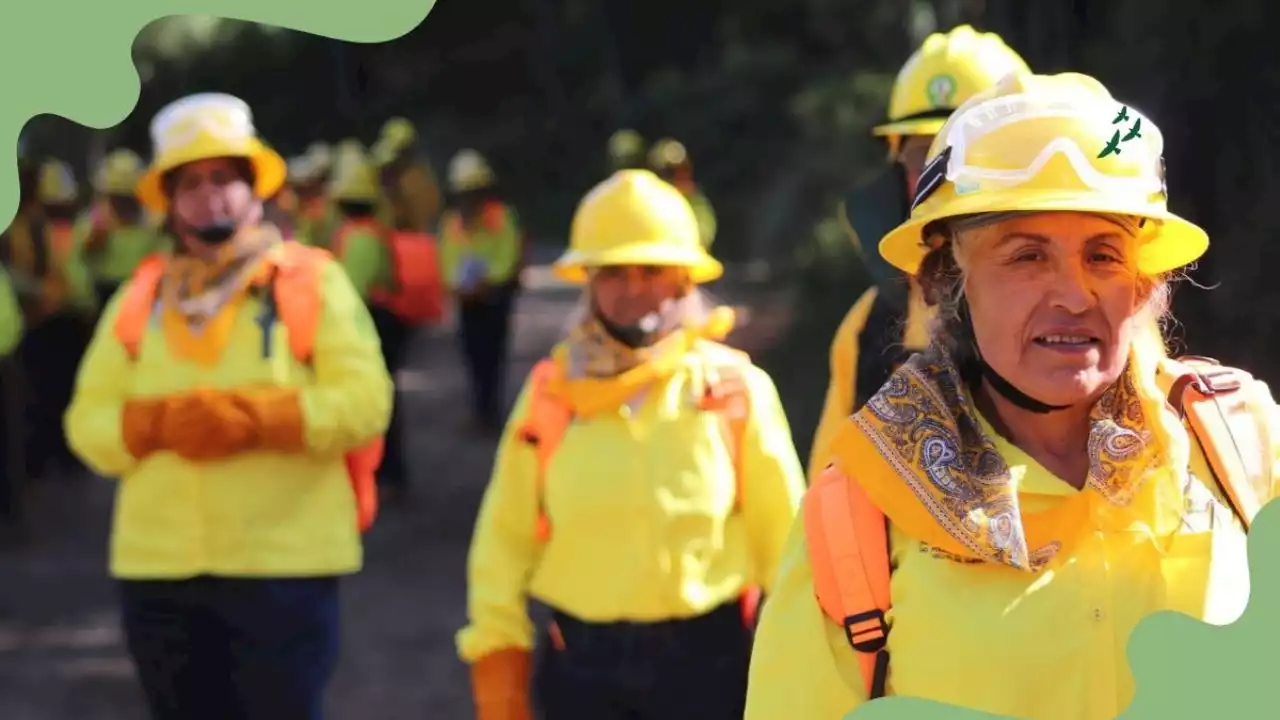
x,y
1182,668
76,60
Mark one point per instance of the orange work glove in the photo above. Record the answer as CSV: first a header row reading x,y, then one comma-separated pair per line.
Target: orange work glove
x,y
206,425
140,426
277,417
500,685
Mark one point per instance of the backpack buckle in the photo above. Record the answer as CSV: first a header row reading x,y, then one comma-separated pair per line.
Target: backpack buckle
x,y
865,639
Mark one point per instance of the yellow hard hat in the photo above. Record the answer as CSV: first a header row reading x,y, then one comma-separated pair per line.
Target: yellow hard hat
x,y
468,170
320,155
354,179
204,126
56,184
398,133
635,218
625,144
302,170
667,153
945,71
119,172
1048,143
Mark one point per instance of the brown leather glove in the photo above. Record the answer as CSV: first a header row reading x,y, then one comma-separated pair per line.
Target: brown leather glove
x,y
206,425
500,685
140,426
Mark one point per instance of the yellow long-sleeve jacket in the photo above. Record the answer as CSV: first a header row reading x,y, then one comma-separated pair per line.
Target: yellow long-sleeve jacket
x,y
641,501
845,347
11,325
256,513
1047,644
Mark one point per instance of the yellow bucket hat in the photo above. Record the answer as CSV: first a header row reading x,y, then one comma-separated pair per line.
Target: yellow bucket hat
x,y
1048,143
203,126
635,218
56,184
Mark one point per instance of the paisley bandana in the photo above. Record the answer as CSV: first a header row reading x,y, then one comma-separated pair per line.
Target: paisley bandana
x,y
920,450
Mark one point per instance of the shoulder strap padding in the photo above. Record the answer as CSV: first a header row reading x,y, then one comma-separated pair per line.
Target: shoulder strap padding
x,y
848,543
1209,398
543,427
137,303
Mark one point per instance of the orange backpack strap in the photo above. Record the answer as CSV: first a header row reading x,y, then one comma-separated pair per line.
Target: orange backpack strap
x,y
848,540
724,392
544,426
1207,395
296,290
137,304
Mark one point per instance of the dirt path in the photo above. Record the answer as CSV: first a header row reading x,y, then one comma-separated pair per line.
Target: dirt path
x,y
61,656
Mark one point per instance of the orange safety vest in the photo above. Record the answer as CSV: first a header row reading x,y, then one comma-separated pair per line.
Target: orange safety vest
x,y
548,417
418,296
296,291
848,536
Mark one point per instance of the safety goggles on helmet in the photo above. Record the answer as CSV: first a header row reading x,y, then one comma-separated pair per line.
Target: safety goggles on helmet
x,y
1007,142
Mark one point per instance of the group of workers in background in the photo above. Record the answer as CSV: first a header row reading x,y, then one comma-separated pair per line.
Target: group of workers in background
x,y
65,255
646,489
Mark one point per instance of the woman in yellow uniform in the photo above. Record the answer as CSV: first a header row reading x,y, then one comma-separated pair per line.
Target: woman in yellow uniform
x,y
644,484
229,388
1040,494
115,234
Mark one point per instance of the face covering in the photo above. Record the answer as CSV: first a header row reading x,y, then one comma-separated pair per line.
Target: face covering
x,y
215,234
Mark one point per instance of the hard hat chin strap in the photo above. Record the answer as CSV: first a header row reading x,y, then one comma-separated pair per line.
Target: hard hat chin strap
x,y
977,368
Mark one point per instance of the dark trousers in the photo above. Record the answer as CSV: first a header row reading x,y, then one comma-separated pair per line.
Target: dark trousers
x,y
395,336
51,352
694,669
222,648
484,331
12,463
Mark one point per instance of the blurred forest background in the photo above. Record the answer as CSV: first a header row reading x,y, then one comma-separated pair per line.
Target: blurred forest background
x,y
773,100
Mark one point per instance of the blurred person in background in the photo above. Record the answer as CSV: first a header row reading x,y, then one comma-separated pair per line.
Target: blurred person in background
x,y
890,321
59,319
12,468
359,242
412,192
481,251
652,576
317,216
670,161
1020,495
627,151
237,391
114,234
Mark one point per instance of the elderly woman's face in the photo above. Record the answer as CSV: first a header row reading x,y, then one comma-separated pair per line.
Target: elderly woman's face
x,y
213,192
625,294
1053,298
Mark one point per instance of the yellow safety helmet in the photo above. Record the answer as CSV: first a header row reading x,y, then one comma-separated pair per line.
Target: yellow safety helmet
x,y
635,218
1048,143
204,126
667,153
320,155
119,173
468,170
626,144
355,179
301,170
398,133
56,184
943,73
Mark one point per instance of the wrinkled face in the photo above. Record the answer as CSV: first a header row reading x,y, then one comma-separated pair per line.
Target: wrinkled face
x,y
214,192
911,156
624,294
1055,300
